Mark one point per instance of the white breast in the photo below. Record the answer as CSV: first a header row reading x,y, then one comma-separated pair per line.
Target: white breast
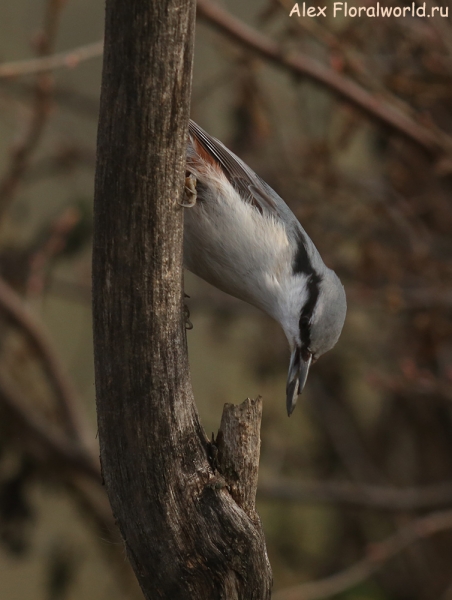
x,y
230,244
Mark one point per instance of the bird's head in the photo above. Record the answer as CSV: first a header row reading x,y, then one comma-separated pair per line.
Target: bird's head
x,y
320,317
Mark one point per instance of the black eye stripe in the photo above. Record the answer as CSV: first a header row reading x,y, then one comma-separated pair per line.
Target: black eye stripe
x,y
308,309
302,264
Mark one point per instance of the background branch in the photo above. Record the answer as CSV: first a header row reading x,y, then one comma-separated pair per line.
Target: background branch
x,y
379,553
56,446
300,64
359,495
13,308
69,59
23,149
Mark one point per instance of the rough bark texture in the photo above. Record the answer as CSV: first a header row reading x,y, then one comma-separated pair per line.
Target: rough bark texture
x,y
185,535
239,445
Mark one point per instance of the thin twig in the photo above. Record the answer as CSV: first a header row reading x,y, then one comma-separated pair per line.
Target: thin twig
x,y
297,63
344,436
378,554
76,469
21,153
300,64
69,60
57,445
368,496
71,99
12,306
64,160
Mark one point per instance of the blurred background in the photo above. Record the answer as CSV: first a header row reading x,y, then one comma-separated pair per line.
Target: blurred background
x,y
356,487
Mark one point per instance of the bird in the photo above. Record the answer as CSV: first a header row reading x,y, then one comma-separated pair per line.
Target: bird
x,y
241,237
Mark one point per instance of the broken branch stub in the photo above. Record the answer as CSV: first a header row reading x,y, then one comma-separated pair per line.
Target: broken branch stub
x,y
238,445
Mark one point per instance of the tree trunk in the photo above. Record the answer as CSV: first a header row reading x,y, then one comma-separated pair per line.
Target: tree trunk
x,y
186,536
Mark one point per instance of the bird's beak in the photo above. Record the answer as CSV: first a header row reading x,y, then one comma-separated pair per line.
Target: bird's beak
x,y
296,379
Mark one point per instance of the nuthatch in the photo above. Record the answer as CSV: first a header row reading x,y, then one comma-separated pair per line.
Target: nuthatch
x,y
241,237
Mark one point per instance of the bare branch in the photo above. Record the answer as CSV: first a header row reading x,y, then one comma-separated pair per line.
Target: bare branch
x,y
12,306
186,536
56,445
69,60
71,465
378,554
300,64
23,150
368,496
239,450
344,436
71,99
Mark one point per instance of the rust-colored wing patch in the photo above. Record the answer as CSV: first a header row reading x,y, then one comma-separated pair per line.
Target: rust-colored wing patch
x,y
244,180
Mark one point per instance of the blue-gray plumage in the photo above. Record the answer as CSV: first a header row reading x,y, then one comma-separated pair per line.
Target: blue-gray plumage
x,y
241,237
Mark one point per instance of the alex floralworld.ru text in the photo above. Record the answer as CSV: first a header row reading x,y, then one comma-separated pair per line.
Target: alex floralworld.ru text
x,y
300,9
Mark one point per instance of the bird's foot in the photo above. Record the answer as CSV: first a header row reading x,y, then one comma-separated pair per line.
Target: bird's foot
x,y
188,323
190,192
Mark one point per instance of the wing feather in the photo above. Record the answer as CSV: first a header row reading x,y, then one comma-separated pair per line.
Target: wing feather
x,y
244,180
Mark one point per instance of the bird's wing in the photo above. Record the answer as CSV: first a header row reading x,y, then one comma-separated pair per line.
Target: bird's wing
x,y
250,186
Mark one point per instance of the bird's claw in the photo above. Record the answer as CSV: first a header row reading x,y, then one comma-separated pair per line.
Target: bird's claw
x,y
188,323
190,192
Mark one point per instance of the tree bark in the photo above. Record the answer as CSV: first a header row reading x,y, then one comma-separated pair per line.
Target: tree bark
x,y
186,536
